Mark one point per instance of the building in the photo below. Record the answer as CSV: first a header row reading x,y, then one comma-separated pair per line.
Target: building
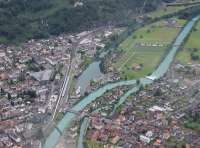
x,y
42,76
145,139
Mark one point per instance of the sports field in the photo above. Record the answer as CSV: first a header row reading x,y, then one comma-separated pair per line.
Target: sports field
x,y
144,49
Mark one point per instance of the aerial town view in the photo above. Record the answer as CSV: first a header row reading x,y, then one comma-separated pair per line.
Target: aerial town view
x,y
99,73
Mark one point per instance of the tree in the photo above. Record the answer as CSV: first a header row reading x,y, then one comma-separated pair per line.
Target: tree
x,y
12,103
9,96
138,81
134,37
194,57
22,76
195,49
31,93
158,92
148,30
2,92
39,134
141,88
195,29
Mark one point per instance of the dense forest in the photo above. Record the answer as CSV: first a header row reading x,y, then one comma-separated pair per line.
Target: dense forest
x,y
25,19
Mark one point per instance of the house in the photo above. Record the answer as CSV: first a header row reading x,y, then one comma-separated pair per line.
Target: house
x,y
73,135
94,135
3,76
187,145
2,54
3,137
15,137
156,108
107,33
115,139
41,110
145,139
151,77
42,91
42,76
149,134
78,4
36,144
51,61
25,60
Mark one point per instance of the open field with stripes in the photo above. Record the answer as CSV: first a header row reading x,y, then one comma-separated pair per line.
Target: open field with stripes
x,y
143,50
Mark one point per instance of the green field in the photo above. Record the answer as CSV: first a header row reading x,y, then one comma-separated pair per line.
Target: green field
x,y
170,10
193,125
193,41
147,57
165,11
173,142
92,144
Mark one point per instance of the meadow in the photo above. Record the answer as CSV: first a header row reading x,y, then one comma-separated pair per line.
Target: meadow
x,y
166,11
160,12
157,38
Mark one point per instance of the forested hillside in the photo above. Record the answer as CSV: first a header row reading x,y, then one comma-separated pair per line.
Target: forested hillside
x,y
24,19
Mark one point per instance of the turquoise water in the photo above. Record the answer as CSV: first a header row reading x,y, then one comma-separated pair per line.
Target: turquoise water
x,y
83,129
91,73
159,72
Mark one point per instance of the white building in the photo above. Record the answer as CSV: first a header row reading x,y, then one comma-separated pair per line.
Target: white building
x,y
156,108
145,139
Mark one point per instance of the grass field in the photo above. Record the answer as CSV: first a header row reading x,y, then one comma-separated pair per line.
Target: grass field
x,y
147,57
193,125
170,10
165,11
93,144
193,41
